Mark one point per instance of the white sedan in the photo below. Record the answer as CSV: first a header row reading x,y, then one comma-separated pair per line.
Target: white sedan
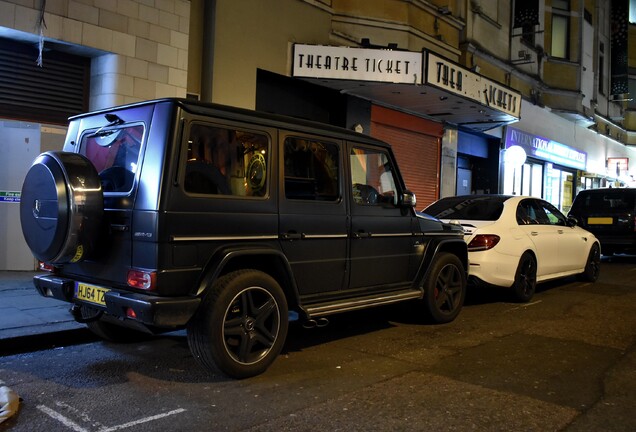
x,y
518,241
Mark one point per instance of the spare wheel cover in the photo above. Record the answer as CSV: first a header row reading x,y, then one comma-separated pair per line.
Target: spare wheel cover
x,y
61,207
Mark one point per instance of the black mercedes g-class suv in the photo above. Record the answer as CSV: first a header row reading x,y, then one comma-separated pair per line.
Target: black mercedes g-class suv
x,y
172,214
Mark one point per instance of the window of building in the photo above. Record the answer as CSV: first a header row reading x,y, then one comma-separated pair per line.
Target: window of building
x,y
601,68
526,17
311,170
560,28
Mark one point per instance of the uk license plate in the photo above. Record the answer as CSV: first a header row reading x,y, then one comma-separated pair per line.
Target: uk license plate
x,y
600,220
90,293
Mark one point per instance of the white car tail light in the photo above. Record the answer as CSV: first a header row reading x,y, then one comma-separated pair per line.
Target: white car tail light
x,y
483,242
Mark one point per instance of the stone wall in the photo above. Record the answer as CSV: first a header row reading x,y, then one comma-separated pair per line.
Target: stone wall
x,y
138,48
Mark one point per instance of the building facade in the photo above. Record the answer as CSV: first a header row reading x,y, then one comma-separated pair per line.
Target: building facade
x,y
475,96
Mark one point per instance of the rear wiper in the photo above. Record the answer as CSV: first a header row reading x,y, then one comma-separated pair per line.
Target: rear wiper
x,y
113,120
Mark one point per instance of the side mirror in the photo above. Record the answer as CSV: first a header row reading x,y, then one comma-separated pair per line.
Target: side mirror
x,y
572,221
408,199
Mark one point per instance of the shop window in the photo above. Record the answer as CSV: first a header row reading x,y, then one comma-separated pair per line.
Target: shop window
x,y
311,170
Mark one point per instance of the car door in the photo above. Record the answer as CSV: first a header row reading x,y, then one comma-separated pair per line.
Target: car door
x,y
312,213
572,246
543,235
382,241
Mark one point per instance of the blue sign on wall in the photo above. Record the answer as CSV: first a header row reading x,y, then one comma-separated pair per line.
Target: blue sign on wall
x,y
6,196
546,149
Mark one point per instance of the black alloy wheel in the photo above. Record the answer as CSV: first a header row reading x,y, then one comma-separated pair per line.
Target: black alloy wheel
x,y
525,283
241,325
593,265
445,288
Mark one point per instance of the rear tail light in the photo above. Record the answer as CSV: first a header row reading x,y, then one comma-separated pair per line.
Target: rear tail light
x,y
483,242
46,267
141,279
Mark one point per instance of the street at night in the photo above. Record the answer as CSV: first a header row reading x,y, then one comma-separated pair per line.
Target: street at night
x,y
563,362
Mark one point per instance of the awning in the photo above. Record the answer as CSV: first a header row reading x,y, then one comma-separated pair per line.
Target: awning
x,y
421,83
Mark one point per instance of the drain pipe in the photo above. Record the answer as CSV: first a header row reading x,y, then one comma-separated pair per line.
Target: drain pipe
x,y
207,55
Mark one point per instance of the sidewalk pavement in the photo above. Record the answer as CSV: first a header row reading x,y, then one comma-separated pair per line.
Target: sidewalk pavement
x,y
27,316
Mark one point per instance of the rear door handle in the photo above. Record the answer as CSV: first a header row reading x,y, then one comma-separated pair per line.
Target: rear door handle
x,y
534,233
361,234
292,235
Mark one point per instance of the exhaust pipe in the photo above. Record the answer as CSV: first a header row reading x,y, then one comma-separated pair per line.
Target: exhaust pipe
x,y
76,311
316,323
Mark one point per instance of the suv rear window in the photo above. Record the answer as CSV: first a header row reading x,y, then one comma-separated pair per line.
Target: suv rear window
x,y
115,154
606,201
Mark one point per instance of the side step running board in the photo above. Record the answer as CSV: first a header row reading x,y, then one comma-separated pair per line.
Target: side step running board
x,y
328,308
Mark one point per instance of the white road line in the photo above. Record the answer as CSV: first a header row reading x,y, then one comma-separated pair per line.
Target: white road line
x,y
531,304
59,417
77,428
523,306
143,420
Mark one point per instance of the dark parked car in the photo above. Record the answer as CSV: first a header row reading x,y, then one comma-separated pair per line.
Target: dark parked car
x,y
174,214
610,214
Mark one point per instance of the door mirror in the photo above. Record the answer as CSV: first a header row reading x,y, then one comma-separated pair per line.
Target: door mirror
x,y
408,199
572,221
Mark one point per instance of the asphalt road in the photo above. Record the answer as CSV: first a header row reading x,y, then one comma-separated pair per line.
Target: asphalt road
x,y
564,362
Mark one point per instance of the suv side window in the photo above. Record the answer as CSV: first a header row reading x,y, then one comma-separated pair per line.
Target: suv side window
x,y
115,154
372,178
226,161
311,170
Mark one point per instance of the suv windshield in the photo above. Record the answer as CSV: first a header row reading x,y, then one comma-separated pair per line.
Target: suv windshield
x,y
115,154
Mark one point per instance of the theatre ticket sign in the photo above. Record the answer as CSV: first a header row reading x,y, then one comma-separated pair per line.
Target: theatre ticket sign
x,y
456,79
403,67
319,61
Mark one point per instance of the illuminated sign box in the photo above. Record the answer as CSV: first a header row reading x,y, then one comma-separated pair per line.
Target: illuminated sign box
x,y
402,67
453,78
621,164
546,149
319,61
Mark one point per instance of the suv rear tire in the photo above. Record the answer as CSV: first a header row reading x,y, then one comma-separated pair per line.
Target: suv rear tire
x,y
241,325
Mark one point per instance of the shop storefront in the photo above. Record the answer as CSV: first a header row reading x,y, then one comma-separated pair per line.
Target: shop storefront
x,y
416,143
537,166
477,163
417,102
